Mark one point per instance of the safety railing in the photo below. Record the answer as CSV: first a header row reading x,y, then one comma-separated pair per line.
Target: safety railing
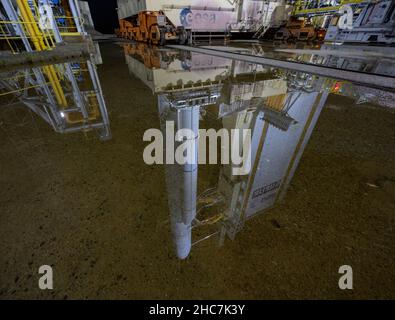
x,y
40,39
36,26
319,7
68,102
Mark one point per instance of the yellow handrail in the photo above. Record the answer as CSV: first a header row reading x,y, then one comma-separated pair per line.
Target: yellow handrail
x,y
39,44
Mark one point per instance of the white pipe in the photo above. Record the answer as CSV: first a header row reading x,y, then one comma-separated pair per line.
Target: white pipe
x,y
182,182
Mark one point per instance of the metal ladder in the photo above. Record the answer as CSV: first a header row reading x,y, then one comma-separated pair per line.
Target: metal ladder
x,y
261,31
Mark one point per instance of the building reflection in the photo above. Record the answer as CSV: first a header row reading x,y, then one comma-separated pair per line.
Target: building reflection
x,y
367,59
280,107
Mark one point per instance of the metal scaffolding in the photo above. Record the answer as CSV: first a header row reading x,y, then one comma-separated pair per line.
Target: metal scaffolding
x,y
67,95
320,7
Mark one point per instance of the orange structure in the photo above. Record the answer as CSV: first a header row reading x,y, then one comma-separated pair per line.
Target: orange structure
x,y
151,27
299,29
148,55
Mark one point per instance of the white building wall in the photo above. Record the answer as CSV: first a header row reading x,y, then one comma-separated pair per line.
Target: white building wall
x,y
279,148
127,8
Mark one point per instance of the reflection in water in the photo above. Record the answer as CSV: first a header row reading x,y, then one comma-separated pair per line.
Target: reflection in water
x,y
181,180
368,59
67,96
280,107
281,127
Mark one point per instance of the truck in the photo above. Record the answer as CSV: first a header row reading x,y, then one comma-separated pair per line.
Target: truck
x,y
299,29
151,27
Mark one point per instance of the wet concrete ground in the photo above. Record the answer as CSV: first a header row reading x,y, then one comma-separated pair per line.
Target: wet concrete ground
x,y
99,215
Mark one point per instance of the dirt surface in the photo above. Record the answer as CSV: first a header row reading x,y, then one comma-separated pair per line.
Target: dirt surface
x,y
99,215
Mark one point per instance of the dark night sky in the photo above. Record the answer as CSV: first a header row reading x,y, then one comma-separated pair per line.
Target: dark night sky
x,y
104,15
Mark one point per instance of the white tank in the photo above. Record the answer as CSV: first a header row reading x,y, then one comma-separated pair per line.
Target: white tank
x,y
211,15
198,15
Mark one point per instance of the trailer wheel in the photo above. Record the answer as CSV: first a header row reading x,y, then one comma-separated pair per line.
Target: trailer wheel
x,y
182,37
155,35
162,40
282,35
189,37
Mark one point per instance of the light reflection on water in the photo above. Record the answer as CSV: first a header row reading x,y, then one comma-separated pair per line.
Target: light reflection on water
x,y
281,108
